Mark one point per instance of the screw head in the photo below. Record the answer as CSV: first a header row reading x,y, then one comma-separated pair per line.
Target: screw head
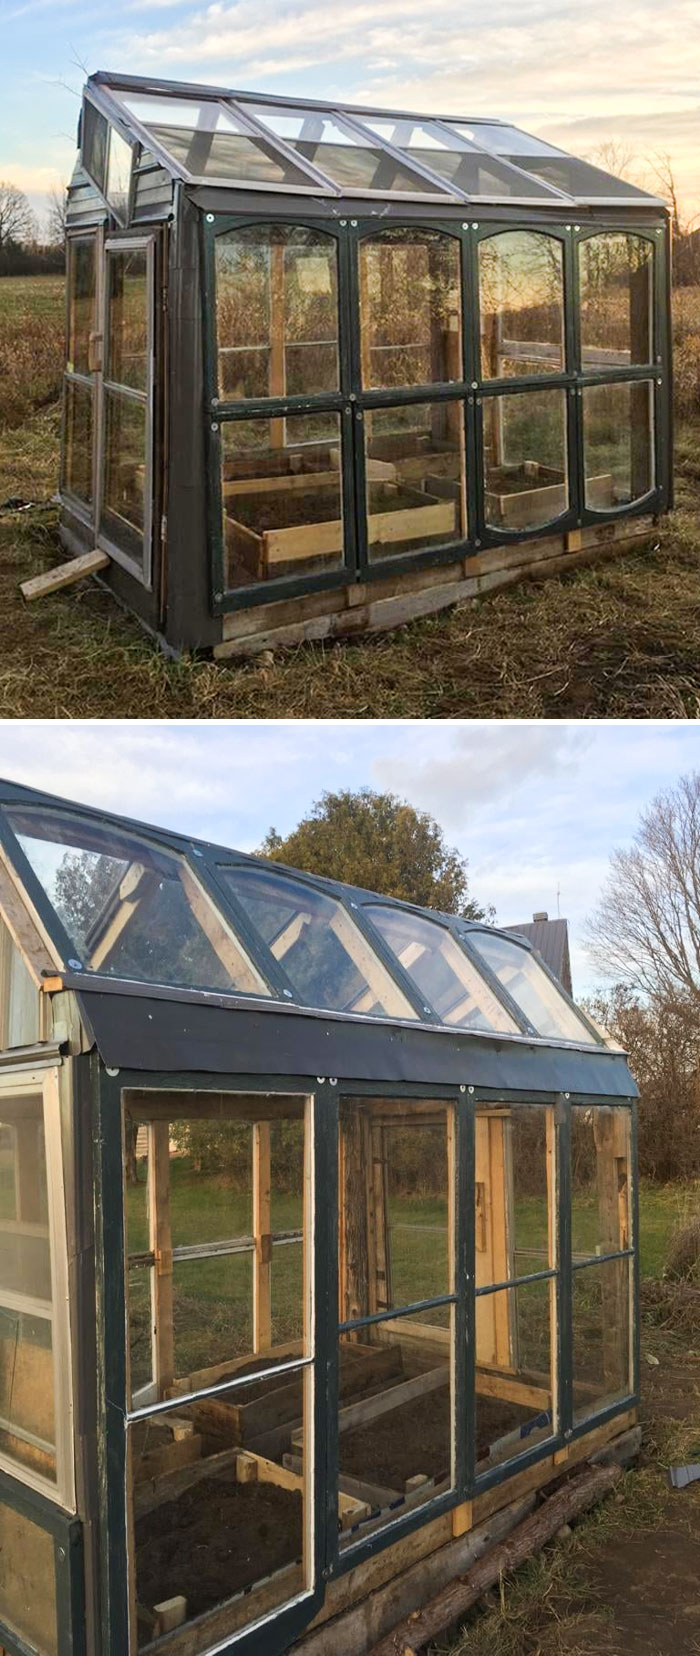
x,y
287,994
475,226
210,218
320,1079
214,425
471,1089
75,965
462,1089
354,223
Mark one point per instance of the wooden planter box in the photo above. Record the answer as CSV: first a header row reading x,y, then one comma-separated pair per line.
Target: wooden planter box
x,y
398,512
544,501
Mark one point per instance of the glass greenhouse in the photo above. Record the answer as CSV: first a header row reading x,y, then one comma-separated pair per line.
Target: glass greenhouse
x,y
328,367
318,1244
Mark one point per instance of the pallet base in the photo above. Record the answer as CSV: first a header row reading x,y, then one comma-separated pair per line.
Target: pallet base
x,y
391,601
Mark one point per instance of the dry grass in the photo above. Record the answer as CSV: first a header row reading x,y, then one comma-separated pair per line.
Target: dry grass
x,y
618,640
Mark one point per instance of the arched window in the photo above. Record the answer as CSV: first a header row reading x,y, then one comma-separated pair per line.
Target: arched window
x,y
410,309
616,298
521,297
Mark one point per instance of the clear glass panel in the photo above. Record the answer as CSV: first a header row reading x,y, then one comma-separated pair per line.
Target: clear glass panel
x,y
395,1427
531,988
219,1198
230,1529
515,1404
19,999
503,139
602,1366
440,970
282,497
410,309
131,909
125,464
525,459
325,957
277,312
28,1582
618,435
127,295
95,133
350,159
415,477
77,440
81,278
453,158
616,274
600,1181
521,288
578,178
209,142
27,1430
119,174
514,1196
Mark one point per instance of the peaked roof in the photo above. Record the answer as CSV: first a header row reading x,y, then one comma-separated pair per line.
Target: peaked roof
x,y
551,940
249,140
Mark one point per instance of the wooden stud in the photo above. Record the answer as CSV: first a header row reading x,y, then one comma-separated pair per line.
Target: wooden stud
x,y
262,1277
65,574
160,1240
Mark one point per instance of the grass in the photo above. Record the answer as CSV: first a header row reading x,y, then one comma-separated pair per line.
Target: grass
x,y
618,640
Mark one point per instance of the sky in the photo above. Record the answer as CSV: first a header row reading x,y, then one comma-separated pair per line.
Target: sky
x,y
535,808
623,71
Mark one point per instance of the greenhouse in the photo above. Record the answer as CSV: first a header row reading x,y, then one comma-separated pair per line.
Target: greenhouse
x,y
318,1244
328,368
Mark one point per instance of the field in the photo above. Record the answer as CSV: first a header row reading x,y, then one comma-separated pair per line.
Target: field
x,y
620,640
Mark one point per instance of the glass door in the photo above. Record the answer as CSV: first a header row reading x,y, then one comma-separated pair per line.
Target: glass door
x,y
125,518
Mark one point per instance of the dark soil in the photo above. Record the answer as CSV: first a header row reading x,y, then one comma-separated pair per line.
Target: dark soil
x,y
416,1438
293,508
652,1582
215,1540
506,480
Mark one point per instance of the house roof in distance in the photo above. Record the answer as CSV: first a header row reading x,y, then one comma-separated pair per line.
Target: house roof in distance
x,y
551,940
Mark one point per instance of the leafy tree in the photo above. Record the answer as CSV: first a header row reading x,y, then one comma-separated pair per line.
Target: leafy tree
x,y
378,841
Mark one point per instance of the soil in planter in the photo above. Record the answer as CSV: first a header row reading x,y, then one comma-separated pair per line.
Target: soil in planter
x,y
416,1438
508,480
216,1539
294,508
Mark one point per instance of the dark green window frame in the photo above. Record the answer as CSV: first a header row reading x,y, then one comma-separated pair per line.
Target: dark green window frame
x,y
66,1533
472,391
273,1636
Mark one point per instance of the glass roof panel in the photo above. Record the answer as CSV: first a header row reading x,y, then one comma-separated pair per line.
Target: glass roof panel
x,y
470,169
501,138
530,987
345,155
579,178
327,960
209,142
440,970
130,909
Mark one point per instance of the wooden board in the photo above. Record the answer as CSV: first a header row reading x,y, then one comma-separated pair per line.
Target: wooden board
x,y
65,574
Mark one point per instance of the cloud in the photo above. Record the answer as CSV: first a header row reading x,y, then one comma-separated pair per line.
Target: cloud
x,y
482,764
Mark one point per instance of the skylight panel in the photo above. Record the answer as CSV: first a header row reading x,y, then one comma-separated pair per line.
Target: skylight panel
x,y
474,171
342,150
206,139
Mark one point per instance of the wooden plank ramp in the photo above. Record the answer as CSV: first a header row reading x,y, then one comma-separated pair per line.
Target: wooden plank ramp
x,y
65,574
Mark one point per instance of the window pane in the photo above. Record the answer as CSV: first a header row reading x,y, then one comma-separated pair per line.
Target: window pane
x,y
515,1401
440,970
454,159
601,1336
616,277
28,1581
282,497
514,1197
351,160
503,139
618,434
95,133
77,440
27,1431
215,1226
526,475
208,141
530,987
578,178
410,309
125,466
127,342
277,312
521,287
415,477
325,957
131,909
230,1528
81,276
119,173
600,1195
395,1184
